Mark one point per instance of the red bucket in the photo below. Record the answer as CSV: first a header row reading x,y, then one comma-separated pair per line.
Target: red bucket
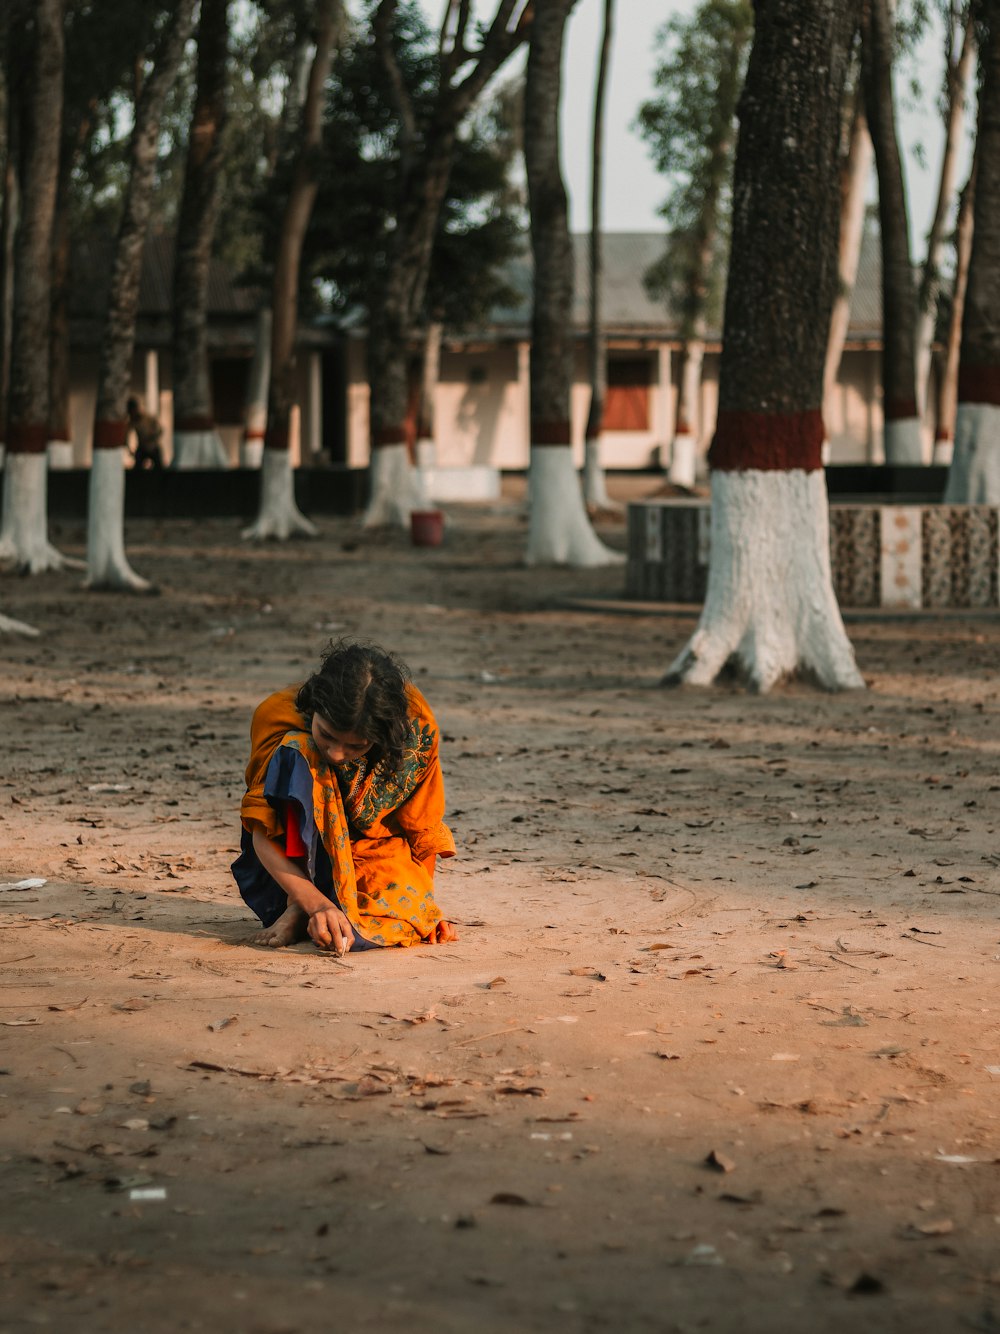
x,y
426,528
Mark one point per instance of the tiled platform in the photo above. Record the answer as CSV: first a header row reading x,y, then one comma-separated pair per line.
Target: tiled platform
x,y
881,555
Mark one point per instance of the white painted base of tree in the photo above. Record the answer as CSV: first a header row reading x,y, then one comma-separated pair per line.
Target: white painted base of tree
x,y
279,517
24,539
198,449
974,476
60,454
904,444
251,453
595,483
3,454
396,490
943,453
683,461
8,626
770,606
107,564
559,531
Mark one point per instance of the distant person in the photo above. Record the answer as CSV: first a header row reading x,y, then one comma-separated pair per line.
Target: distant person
x,y
343,813
148,452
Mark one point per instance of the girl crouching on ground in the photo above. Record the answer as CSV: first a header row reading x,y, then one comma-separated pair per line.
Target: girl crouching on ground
x,y
342,818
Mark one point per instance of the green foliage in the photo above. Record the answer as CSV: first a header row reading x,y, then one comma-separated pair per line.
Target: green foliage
x,y
482,219
690,129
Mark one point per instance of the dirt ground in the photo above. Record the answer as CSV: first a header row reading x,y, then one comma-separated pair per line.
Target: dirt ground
x,y
717,1049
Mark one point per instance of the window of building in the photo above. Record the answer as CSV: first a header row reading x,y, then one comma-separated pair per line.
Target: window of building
x,y
626,404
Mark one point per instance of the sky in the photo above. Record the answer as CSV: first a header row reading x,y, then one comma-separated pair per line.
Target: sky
x,y
632,188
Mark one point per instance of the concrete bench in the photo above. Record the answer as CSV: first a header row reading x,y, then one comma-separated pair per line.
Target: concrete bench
x,y
881,555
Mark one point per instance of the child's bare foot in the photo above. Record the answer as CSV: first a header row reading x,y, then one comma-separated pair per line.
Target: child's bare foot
x,y
443,934
289,928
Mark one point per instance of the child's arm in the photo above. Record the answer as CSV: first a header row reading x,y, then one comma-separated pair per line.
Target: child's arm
x,y
327,925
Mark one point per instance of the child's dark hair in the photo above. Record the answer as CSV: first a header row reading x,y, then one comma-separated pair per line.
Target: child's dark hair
x,y
361,688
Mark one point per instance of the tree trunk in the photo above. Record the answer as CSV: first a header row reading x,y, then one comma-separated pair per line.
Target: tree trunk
x,y
60,444
23,531
107,566
8,227
425,162
770,606
903,443
196,442
430,374
594,487
279,517
258,387
947,383
974,476
957,82
855,175
687,426
559,531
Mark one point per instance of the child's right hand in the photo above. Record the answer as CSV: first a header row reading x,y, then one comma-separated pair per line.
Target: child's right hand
x,y
330,929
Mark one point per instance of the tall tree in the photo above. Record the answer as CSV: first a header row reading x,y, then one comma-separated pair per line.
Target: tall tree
x,y
947,377
899,297
855,174
279,516
426,153
690,128
559,531
196,441
595,491
770,605
959,60
974,476
107,564
11,72
23,531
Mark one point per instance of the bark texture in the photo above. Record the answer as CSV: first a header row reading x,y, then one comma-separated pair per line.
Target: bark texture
x,y
974,476
279,516
559,530
899,297
297,212
107,565
118,340
783,270
770,606
426,152
957,75
594,488
854,177
28,407
947,380
196,224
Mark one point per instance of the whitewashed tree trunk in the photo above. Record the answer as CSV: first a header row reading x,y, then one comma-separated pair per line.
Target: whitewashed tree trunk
x,y
395,488
770,604
684,449
252,447
24,528
8,626
559,531
279,517
60,455
107,564
199,449
974,475
595,489
904,442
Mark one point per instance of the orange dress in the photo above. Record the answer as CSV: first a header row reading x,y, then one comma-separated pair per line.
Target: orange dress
x,y
364,832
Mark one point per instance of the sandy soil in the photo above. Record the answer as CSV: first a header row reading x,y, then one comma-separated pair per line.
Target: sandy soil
x,y
717,1049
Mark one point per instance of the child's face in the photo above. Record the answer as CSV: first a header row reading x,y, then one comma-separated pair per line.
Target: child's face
x,y
335,746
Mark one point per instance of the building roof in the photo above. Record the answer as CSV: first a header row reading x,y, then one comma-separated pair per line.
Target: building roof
x,y
629,311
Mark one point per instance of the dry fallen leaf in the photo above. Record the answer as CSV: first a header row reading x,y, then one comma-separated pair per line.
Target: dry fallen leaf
x,y
719,1162
508,1197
